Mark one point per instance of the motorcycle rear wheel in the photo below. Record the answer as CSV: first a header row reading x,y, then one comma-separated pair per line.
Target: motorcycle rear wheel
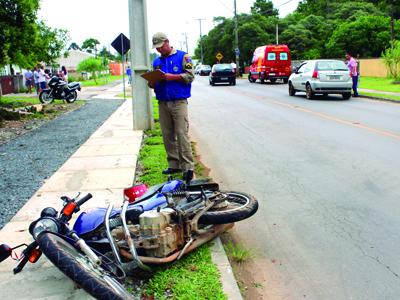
x,y
45,97
236,207
75,95
93,279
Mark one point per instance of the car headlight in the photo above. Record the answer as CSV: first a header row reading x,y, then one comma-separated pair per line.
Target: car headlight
x,y
45,224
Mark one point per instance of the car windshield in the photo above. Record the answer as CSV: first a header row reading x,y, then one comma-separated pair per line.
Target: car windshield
x,y
206,67
222,67
331,65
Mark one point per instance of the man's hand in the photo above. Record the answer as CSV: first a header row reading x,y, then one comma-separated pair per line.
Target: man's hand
x,y
171,77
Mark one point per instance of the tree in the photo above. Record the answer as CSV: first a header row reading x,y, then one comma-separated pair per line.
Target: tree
x,y
90,45
264,8
367,36
391,57
74,46
91,65
17,26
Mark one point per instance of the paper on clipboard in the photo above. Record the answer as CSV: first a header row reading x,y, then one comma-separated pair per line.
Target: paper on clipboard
x,y
153,76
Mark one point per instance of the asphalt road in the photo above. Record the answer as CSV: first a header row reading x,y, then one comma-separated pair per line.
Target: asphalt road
x,y
327,175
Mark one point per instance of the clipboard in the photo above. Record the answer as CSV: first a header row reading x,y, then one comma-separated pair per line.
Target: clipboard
x,y
153,76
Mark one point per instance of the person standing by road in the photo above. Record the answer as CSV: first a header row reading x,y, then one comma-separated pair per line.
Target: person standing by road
x,y
36,79
28,80
352,65
172,93
129,74
42,79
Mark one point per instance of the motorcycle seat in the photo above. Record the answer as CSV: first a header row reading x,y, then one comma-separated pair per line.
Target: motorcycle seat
x,y
73,85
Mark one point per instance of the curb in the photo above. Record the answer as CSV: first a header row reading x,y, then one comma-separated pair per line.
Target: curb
x,y
379,99
220,259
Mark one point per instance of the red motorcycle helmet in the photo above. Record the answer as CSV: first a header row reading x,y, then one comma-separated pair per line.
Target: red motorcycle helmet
x,y
134,192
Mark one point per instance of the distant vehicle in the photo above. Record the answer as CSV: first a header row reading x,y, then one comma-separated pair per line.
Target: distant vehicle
x,y
323,76
270,62
204,70
197,69
222,73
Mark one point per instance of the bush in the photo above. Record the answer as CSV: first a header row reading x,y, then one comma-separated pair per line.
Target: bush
x,y
391,57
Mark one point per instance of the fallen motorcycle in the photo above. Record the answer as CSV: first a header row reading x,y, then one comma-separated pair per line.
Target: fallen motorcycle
x,y
59,89
154,226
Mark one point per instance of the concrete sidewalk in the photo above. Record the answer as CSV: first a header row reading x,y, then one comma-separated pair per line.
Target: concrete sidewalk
x,y
103,166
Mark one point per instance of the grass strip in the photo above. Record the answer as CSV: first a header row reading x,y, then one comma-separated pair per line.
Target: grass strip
x,y
194,276
379,84
100,81
382,96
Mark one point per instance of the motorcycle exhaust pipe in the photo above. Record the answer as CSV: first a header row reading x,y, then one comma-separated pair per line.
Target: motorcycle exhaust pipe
x,y
200,240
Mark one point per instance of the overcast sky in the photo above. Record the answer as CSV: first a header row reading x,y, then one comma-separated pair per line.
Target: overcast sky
x,y
104,20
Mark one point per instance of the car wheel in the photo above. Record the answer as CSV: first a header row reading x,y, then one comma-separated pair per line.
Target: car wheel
x,y
273,80
285,80
292,91
346,96
309,92
234,82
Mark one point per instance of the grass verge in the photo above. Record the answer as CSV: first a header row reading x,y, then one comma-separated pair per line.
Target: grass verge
x,y
383,96
195,276
100,81
379,84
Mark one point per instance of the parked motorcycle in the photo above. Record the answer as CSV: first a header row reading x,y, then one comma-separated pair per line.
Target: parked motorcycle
x,y
59,89
154,226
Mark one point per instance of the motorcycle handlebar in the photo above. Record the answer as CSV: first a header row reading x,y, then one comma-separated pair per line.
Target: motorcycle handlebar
x,y
84,199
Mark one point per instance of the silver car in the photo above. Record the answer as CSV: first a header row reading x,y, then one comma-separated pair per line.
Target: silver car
x,y
322,76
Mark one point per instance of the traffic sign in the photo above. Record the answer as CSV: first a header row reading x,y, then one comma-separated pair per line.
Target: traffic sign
x,y
219,56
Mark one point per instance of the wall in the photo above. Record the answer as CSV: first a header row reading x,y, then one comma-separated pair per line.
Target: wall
x,y
373,67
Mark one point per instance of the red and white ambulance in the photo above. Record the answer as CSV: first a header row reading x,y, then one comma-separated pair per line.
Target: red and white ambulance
x,y
271,62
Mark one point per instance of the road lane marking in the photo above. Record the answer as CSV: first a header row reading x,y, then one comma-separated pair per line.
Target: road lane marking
x,y
327,117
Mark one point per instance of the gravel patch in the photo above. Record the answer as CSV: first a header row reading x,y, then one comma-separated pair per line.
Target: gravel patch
x,y
26,161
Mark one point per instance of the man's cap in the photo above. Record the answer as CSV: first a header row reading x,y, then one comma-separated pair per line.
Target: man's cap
x,y
158,39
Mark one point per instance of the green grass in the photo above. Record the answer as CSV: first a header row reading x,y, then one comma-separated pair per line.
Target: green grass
x,y
383,96
194,276
17,101
379,84
238,253
100,81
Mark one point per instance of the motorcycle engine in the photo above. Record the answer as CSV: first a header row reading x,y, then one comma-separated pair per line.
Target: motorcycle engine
x,y
156,234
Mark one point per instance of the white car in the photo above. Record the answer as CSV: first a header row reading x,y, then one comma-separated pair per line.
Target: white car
x,y
322,76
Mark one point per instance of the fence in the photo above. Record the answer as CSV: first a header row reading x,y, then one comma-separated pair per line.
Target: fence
x,y
11,84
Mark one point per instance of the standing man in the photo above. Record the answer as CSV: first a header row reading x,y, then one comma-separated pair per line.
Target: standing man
x,y
172,93
129,74
28,80
352,65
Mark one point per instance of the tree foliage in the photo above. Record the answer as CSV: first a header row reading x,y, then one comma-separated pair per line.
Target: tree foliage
x,y
24,40
90,45
91,65
391,57
317,29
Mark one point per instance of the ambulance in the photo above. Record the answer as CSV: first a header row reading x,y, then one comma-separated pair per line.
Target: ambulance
x,y
270,62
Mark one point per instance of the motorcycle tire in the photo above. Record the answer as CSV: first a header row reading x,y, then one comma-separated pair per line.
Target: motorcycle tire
x,y
71,100
237,206
45,97
73,263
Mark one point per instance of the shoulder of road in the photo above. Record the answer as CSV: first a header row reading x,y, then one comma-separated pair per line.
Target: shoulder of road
x,y
111,152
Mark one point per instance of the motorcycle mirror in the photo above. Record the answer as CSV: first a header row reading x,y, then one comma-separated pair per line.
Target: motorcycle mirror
x,y
5,252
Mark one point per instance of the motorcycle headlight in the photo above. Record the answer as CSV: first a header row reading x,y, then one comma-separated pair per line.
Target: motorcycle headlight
x,y
45,224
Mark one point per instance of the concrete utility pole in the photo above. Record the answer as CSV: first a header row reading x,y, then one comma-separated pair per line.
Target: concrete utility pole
x,y
140,62
201,41
236,42
187,47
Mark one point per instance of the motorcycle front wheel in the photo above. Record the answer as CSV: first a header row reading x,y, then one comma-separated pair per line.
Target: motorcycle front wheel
x,y
231,207
71,98
45,97
93,279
